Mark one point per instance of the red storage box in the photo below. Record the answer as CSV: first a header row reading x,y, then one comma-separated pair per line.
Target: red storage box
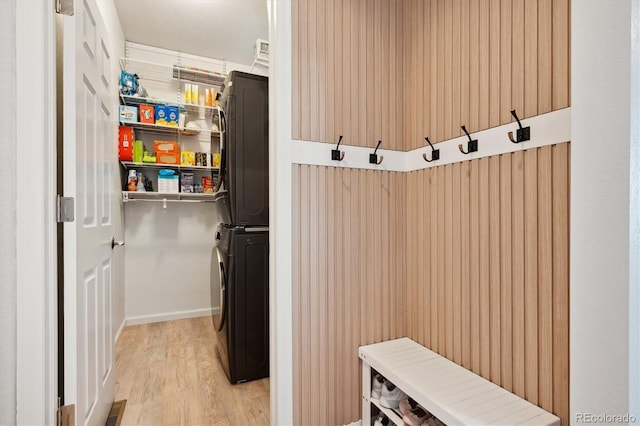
x,y
125,145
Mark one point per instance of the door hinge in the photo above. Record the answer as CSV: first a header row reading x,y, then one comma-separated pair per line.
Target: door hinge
x,y
65,209
64,7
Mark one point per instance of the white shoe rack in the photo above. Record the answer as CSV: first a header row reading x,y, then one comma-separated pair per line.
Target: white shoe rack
x,y
453,394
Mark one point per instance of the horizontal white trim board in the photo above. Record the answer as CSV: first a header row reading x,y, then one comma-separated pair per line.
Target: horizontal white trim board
x,y
170,316
546,129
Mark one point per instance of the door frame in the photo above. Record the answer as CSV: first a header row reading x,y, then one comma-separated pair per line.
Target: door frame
x,y
36,252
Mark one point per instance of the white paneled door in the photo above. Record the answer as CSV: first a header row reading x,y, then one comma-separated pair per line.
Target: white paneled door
x,y
89,127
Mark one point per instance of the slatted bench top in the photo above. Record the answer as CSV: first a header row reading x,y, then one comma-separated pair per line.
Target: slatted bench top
x,y
449,391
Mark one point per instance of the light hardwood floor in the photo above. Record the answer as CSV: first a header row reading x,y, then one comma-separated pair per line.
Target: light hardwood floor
x,y
169,374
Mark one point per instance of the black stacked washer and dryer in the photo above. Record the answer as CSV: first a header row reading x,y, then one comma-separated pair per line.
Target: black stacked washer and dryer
x,y
242,239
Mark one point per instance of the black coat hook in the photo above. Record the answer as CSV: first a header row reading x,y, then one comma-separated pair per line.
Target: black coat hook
x,y
373,158
523,134
435,153
336,154
472,145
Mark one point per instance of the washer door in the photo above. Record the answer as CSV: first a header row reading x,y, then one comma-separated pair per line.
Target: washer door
x,y
218,320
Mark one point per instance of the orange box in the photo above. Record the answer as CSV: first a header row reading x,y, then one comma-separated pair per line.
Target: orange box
x,y
166,147
168,158
147,114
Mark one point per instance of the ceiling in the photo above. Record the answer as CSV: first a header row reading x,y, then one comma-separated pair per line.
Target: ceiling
x,y
220,29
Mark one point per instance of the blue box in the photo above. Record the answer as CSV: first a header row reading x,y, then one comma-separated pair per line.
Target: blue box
x,y
128,114
173,114
161,115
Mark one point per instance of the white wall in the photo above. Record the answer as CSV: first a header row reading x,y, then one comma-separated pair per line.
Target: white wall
x,y
168,260
114,29
600,153
634,215
8,214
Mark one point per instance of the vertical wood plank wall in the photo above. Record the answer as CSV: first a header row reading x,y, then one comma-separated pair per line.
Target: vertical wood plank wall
x,y
348,71
401,70
501,224
348,275
469,259
472,62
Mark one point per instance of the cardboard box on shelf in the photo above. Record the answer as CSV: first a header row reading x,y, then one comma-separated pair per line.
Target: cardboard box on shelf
x,y
186,182
128,114
125,143
147,114
168,158
188,158
166,147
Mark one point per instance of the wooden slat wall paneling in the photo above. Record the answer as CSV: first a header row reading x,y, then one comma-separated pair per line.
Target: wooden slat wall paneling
x,y
314,202
296,245
457,265
517,249
295,71
484,62
412,267
531,58
355,267
433,240
474,67
448,263
465,241
510,311
420,255
314,59
331,55
506,275
338,295
426,281
561,81
302,56
431,78
505,61
517,55
531,273
494,65
322,122
465,71
335,80
399,70
544,56
354,249
447,28
456,71
484,259
441,259
545,273
494,268
474,264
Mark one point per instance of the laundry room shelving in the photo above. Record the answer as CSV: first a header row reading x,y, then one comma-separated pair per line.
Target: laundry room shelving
x,y
163,85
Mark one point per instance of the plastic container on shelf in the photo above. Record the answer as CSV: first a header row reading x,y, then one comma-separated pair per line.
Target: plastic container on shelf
x,y
132,182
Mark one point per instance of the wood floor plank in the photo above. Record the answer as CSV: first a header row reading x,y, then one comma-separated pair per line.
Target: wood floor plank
x,y
169,374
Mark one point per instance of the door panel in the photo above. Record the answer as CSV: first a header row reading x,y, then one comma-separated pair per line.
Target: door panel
x,y
89,125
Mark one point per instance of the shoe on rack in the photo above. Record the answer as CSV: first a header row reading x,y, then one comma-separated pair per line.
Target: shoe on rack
x,y
416,417
391,395
406,405
381,420
376,386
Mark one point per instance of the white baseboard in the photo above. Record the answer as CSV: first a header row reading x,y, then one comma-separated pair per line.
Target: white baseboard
x,y
169,316
119,332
